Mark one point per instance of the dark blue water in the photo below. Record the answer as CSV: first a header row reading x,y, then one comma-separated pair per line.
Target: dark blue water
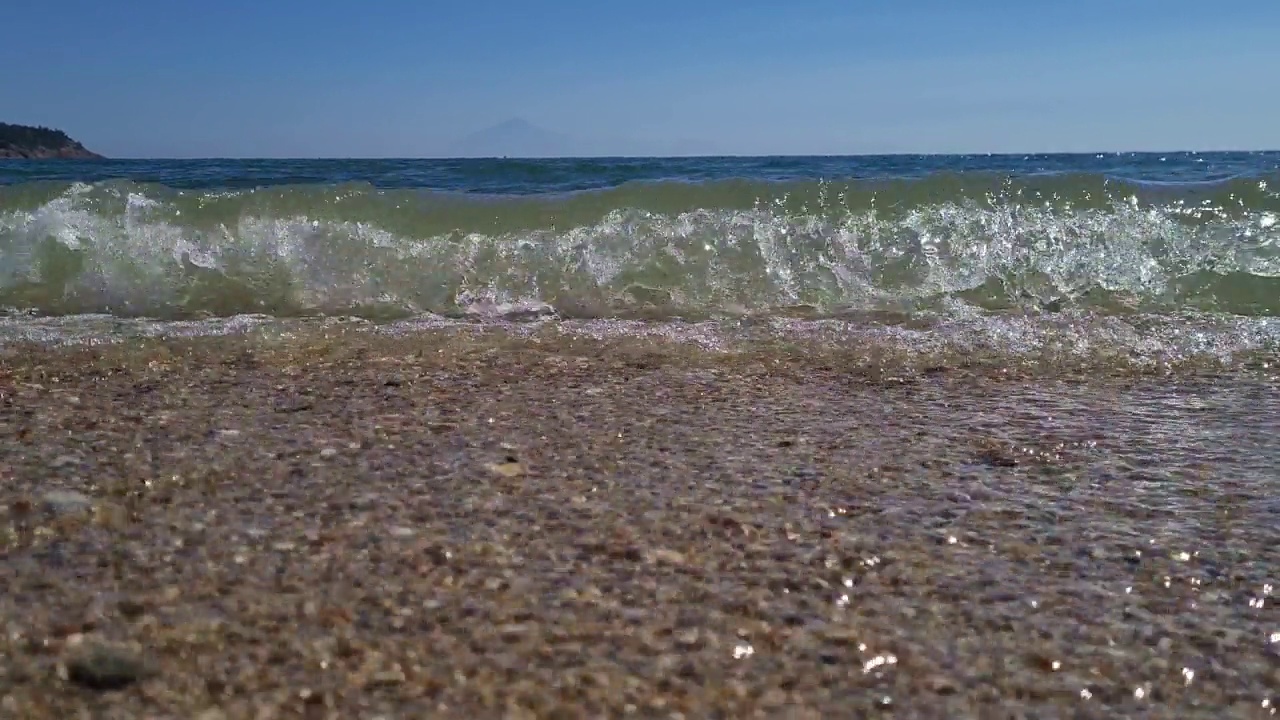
x,y
523,177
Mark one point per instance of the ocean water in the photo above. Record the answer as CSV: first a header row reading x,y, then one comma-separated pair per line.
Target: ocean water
x,y
1145,258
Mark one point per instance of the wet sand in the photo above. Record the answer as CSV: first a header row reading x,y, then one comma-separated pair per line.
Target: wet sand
x,y
449,526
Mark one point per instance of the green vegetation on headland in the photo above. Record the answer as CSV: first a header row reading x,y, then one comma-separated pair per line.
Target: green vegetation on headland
x,y
33,143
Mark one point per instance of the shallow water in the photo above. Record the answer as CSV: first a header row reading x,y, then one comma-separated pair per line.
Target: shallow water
x,y
1147,507
1154,255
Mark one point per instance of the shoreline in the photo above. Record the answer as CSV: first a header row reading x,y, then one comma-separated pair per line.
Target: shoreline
x,y
445,525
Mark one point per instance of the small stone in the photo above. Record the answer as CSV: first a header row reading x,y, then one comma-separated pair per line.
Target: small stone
x,y
512,632
995,454
63,461
385,678
437,554
803,474
111,516
131,609
102,666
663,556
688,638
942,685
65,502
507,469
399,531
328,453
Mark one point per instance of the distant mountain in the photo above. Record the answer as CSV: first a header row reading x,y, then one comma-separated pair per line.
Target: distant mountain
x,y
33,143
514,138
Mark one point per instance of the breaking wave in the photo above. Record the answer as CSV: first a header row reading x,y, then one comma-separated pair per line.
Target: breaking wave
x,y
1046,244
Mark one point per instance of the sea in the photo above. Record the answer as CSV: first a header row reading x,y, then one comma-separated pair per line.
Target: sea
x,y
1138,257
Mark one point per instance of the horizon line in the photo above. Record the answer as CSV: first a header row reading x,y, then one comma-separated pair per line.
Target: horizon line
x,y
1094,153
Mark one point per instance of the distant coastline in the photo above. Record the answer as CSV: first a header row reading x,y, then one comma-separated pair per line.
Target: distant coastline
x,y
25,142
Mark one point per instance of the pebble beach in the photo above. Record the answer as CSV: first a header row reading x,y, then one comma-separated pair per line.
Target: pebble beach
x,y
477,524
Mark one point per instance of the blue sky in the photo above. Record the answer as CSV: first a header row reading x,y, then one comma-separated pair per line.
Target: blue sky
x,y
286,78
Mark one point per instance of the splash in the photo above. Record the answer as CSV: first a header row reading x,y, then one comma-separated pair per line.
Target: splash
x,y
935,245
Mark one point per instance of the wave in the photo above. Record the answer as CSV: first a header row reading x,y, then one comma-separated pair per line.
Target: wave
x,y
945,243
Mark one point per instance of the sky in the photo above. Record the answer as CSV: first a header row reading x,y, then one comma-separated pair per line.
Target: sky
x,y
409,78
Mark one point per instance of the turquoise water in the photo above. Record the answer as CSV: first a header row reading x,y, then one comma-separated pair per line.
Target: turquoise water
x,y
1141,254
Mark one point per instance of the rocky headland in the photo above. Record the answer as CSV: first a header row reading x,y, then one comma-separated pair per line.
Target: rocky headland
x,y
25,142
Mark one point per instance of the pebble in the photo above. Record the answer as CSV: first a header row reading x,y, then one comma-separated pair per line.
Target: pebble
x,y
110,515
131,609
649,564
66,502
688,638
802,474
105,666
385,678
507,469
661,556
841,634
942,685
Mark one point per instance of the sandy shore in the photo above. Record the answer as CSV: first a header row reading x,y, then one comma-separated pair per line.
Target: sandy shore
x,y
443,527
